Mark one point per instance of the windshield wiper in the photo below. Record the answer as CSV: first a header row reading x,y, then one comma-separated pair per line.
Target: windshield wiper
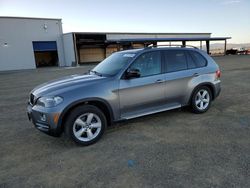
x,y
96,73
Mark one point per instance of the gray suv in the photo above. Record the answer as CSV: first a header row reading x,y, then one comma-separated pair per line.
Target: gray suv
x,y
127,84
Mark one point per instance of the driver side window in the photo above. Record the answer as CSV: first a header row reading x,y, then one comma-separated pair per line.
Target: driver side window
x,y
148,64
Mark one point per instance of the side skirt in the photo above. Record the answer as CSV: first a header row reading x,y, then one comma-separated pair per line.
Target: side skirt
x,y
144,113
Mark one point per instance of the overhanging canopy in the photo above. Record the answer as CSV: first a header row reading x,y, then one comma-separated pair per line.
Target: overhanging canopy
x,y
169,39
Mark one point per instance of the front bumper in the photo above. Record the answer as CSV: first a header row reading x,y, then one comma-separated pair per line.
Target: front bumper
x,y
45,120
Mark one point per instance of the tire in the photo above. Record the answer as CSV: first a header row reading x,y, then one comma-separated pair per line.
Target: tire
x,y
201,100
85,125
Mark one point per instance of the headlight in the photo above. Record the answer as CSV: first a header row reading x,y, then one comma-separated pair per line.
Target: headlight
x,y
49,102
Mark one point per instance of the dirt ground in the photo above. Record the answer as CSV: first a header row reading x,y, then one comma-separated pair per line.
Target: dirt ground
x,y
169,149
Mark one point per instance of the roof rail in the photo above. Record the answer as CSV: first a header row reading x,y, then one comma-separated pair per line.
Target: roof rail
x,y
174,45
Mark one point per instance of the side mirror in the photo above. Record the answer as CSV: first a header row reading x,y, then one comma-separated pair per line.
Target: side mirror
x,y
133,73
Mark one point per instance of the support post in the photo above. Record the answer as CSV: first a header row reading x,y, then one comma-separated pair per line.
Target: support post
x,y
184,43
200,45
208,47
76,51
225,47
78,47
105,50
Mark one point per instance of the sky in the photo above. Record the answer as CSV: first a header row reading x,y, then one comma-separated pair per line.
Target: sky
x,y
219,17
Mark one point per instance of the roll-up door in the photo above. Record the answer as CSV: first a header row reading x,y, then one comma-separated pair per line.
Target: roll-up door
x,y
45,53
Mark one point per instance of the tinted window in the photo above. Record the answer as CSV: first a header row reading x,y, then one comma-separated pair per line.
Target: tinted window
x,y
191,62
176,60
199,60
148,64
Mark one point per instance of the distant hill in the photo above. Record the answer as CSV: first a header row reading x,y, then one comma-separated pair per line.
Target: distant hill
x,y
218,48
229,46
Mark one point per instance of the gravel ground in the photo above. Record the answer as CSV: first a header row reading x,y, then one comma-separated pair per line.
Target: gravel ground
x,y
169,149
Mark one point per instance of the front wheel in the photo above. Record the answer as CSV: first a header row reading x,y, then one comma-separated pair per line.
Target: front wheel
x,y
85,124
201,100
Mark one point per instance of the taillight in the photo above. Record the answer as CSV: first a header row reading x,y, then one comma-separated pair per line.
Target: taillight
x,y
218,73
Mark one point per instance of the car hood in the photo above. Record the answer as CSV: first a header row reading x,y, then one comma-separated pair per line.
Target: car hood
x,y
65,83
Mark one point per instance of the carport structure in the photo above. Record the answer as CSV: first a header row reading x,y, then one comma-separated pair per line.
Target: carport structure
x,y
147,41
94,47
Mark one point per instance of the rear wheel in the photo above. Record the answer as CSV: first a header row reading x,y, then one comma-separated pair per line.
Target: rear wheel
x,y
85,124
201,100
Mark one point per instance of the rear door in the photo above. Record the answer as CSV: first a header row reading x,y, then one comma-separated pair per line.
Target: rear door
x,y
178,76
142,95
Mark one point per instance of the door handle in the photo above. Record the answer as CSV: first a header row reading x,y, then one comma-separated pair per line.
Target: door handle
x,y
159,81
196,74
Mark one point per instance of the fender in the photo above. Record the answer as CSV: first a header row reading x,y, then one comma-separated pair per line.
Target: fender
x,y
210,85
94,99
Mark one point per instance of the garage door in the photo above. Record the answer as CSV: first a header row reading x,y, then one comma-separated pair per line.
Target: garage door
x,y
89,55
45,53
41,46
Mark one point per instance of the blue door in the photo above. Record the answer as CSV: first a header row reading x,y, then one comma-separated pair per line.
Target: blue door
x,y
41,46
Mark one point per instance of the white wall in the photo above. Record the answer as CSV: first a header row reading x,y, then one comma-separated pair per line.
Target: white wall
x,y
19,33
69,52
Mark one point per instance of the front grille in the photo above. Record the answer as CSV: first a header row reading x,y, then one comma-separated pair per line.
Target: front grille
x,y
32,99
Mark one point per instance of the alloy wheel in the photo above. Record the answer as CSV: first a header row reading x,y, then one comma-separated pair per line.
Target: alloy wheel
x,y
87,127
202,99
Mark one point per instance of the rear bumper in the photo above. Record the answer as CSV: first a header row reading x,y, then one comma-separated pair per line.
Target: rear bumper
x,y
44,120
217,88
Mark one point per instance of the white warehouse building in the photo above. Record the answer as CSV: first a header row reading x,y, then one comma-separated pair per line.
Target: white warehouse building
x,y
25,41
29,43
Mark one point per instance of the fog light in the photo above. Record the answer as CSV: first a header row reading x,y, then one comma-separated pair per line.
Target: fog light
x,y
43,117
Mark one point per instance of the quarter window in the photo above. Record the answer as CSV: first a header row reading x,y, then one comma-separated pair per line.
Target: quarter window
x,y
148,64
176,60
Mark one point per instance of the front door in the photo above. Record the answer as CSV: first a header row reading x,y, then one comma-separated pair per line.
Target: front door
x,y
141,95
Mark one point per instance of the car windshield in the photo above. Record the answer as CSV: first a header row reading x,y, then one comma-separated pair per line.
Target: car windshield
x,y
113,64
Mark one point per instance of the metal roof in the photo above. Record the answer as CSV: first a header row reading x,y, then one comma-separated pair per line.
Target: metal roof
x,y
170,39
32,18
139,33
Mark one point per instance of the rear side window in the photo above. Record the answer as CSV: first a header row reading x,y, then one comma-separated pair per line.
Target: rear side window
x,y
176,60
199,60
191,62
